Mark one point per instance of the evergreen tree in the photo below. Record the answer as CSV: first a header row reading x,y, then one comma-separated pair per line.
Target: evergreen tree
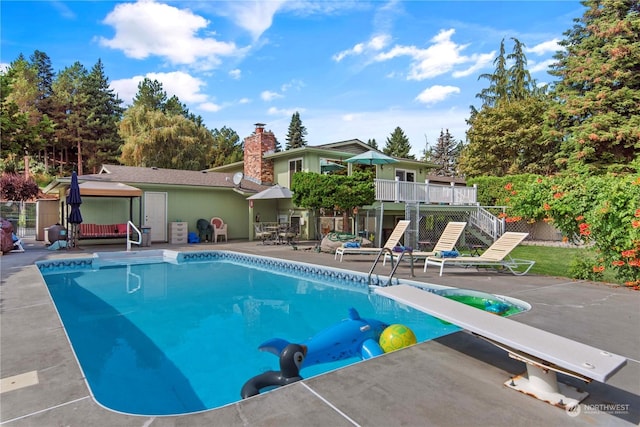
x,y
505,134
398,145
296,133
227,147
597,118
498,80
104,113
18,95
151,95
372,143
71,114
41,63
445,154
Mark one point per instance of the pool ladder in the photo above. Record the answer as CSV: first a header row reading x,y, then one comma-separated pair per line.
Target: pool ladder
x,y
394,267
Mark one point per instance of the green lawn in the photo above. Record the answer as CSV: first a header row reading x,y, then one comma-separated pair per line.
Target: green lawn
x,y
550,260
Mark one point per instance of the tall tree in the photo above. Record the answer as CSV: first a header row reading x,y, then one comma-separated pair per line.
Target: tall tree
x,y
71,113
597,118
398,145
16,130
45,75
296,133
498,80
104,113
445,154
371,142
505,134
153,138
151,95
227,147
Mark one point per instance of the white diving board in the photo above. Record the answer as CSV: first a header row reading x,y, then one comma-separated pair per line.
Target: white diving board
x,y
543,352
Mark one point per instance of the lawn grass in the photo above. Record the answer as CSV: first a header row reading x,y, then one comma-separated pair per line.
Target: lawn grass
x,y
550,260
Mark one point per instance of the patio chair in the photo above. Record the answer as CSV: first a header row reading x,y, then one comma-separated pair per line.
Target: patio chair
x,y
446,242
497,256
219,229
391,243
261,234
205,230
288,234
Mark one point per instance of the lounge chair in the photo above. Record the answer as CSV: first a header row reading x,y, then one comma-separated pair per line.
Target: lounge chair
x,y
446,242
17,243
391,243
219,229
496,255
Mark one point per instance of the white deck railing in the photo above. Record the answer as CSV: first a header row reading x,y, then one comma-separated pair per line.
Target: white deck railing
x,y
426,192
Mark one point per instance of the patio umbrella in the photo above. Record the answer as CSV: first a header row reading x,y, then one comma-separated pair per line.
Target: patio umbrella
x,y
327,166
74,201
371,157
276,192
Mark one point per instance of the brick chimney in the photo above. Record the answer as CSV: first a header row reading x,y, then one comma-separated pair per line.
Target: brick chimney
x,y
256,168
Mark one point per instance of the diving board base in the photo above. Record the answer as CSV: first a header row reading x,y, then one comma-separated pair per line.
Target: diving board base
x,y
543,385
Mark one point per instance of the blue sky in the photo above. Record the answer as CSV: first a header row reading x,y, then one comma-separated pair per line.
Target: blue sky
x,y
351,69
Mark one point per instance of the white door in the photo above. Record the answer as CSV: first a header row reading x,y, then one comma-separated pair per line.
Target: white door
x,y
155,215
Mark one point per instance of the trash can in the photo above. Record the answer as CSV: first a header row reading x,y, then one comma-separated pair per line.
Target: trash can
x,y
146,236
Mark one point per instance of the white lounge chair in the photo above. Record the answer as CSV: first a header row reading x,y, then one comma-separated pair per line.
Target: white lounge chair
x,y
391,243
496,255
17,244
446,242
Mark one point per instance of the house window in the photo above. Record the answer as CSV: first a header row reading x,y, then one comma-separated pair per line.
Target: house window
x,y
405,175
295,165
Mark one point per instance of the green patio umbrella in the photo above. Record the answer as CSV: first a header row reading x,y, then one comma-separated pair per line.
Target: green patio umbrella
x,y
371,157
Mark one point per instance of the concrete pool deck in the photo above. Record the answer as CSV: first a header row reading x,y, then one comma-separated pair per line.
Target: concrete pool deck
x,y
452,381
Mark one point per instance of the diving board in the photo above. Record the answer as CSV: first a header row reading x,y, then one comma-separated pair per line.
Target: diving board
x,y
543,352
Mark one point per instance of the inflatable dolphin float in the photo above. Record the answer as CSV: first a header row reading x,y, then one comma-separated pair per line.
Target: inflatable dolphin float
x,y
290,362
351,337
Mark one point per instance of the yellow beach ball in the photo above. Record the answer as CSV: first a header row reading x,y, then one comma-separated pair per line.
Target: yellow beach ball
x,y
395,337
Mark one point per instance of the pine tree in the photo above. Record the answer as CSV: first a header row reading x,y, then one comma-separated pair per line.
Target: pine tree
x,y
445,154
398,145
296,133
505,134
598,116
372,143
104,114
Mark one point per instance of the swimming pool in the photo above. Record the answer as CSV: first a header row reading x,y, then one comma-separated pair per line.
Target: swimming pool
x,y
165,333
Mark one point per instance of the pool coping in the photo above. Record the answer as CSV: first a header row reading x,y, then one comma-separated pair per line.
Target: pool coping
x,y
368,393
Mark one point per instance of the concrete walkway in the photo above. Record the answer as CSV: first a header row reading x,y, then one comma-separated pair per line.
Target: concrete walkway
x,y
453,381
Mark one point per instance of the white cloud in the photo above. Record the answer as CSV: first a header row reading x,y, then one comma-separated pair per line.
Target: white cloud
x,y
481,61
287,112
436,94
4,66
293,84
439,58
244,101
186,87
148,28
550,46
254,16
235,74
375,44
209,107
268,95
536,67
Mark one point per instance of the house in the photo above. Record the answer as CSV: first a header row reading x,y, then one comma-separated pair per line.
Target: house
x,y
156,197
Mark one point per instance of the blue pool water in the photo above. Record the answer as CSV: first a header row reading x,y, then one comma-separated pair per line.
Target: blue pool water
x,y
178,337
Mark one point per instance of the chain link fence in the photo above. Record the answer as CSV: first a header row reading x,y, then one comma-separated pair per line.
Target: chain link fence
x,y
22,215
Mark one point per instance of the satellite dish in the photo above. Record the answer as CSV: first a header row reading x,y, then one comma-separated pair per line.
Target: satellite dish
x,y
237,178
